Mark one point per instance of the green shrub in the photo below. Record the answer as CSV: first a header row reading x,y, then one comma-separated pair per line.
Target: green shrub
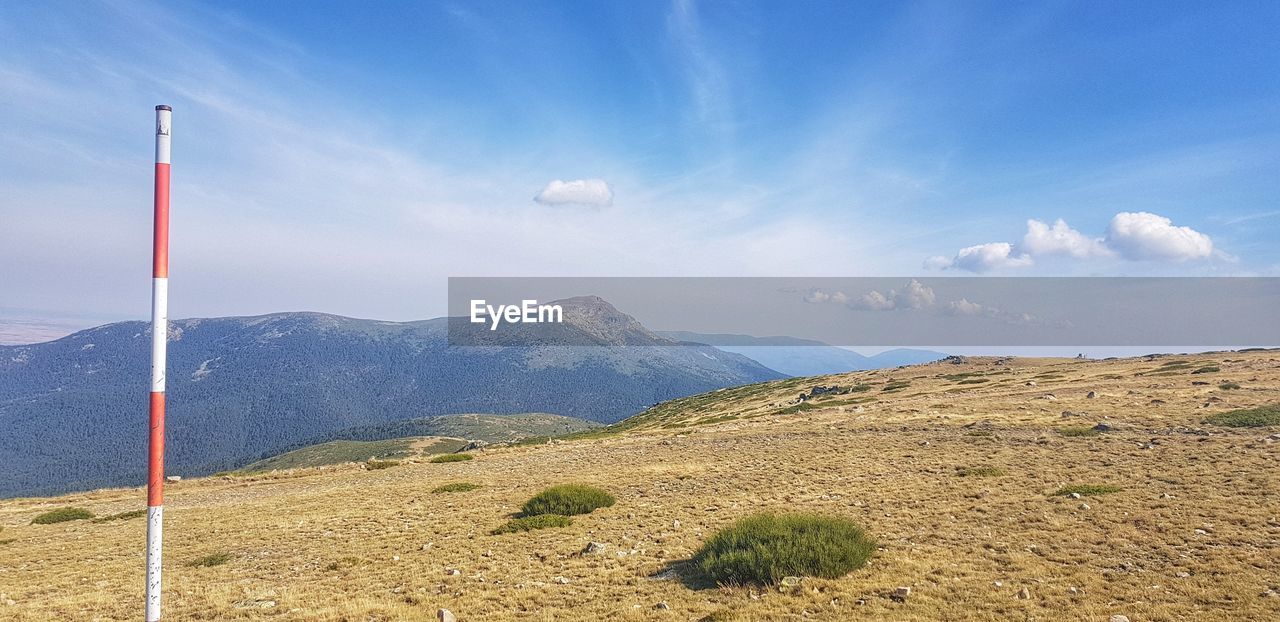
x,y
208,561
766,547
1078,431
982,471
860,388
451,458
567,500
529,523
896,385
1228,386
1259,417
974,381
456,487
121,516
1087,490
61,515
1207,369
374,465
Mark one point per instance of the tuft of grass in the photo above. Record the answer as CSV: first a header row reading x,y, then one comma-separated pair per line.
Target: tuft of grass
x,y
529,523
974,381
208,561
1087,490
981,471
451,458
1229,386
1259,417
1078,431
764,548
374,465
896,385
61,515
1208,369
860,388
456,487
978,433
121,516
567,500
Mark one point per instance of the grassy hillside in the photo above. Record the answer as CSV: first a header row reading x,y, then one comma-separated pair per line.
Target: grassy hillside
x,y
960,473
336,452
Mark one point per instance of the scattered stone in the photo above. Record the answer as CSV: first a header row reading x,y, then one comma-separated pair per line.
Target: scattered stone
x,y
1184,575
594,548
560,580
1031,383
1102,427
1119,618
1091,395
1074,495
662,606
1024,594
1084,506
444,615
1051,397
452,572
1201,532
1066,414
474,445
901,593
675,524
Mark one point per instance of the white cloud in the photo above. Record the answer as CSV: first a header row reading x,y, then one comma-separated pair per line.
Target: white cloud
x,y
1060,239
579,191
1136,236
990,256
874,301
964,307
1147,236
915,295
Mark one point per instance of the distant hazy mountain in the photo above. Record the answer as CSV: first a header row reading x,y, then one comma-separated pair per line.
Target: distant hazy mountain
x,y
804,357
73,411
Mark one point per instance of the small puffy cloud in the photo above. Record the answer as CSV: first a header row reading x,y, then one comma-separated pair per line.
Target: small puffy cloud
x,y
990,256
1147,236
915,295
579,191
874,301
1060,239
964,307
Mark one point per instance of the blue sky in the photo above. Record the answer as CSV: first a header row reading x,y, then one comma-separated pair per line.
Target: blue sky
x,y
348,157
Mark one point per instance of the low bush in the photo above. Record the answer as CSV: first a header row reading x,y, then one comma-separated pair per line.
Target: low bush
x,y
451,458
61,515
456,487
981,471
374,465
121,516
567,500
215,559
1208,369
766,547
1087,490
529,523
1229,386
1259,417
1078,431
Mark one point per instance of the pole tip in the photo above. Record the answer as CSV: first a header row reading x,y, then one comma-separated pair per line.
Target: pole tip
x,y
164,107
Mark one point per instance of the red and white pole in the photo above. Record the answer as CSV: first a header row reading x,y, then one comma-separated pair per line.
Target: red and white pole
x,y
159,340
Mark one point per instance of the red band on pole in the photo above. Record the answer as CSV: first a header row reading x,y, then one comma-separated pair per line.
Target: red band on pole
x,y
160,258
155,481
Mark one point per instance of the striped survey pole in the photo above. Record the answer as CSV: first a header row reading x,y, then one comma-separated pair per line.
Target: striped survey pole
x,y
159,338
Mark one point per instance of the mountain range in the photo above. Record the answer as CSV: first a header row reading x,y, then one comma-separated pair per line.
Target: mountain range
x,y
74,409
804,357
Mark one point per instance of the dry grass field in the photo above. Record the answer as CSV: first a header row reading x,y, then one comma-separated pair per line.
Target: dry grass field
x,y
953,468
